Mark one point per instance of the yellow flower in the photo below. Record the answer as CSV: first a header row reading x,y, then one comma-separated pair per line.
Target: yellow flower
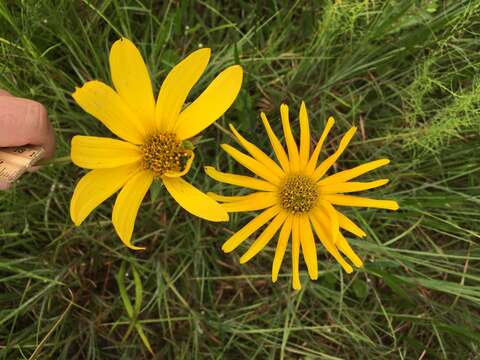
x,y
296,194
153,136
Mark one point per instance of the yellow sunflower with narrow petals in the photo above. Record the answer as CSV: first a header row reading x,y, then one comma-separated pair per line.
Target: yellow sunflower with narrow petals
x,y
153,136
295,195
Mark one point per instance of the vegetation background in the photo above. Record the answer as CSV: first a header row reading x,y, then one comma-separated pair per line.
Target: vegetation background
x,y
406,72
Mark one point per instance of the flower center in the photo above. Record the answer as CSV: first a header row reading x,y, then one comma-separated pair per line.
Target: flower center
x,y
298,194
162,153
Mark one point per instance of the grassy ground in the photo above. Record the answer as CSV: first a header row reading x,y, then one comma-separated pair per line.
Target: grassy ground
x,y
406,72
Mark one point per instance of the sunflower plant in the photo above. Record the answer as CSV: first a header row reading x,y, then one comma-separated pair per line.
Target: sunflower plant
x,y
152,136
295,195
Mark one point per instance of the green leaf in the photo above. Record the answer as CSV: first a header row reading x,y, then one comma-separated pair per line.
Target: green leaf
x,y
155,189
393,282
187,144
360,288
120,278
138,290
143,337
329,280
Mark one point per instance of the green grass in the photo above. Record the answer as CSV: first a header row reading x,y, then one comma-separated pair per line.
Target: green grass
x,y
407,72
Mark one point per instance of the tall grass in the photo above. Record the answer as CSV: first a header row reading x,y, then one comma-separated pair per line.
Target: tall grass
x,y
406,72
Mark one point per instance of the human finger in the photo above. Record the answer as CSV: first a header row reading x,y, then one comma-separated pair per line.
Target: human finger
x,y
23,122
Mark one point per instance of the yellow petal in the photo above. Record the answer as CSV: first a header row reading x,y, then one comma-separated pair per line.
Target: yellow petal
x,y
132,81
251,164
127,204
320,226
224,198
345,248
331,213
296,253
304,152
349,200
308,247
211,104
258,154
347,224
236,239
312,163
95,152
349,174
102,102
239,180
325,165
281,247
277,146
346,187
291,144
251,202
176,87
193,200
264,237
95,187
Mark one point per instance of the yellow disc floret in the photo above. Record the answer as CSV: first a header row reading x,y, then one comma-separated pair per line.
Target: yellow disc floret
x,y
162,153
298,194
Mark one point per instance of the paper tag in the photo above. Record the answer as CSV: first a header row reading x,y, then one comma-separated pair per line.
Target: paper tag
x,y
15,161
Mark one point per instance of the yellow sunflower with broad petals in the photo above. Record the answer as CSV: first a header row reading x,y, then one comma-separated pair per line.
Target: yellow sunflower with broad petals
x,y
295,195
153,136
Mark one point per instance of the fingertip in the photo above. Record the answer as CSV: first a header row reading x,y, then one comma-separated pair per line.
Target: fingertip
x,y
37,114
4,185
5,93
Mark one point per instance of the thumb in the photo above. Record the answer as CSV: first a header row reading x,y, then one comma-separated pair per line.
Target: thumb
x,y
4,185
23,122
4,93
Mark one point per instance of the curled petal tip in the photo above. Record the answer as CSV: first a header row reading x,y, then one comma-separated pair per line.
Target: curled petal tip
x,y
128,243
119,42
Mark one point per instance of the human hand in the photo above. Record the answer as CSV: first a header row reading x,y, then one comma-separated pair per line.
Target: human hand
x,y
24,122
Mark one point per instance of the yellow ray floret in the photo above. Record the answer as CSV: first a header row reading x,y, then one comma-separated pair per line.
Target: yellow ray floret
x,y
297,197
152,136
